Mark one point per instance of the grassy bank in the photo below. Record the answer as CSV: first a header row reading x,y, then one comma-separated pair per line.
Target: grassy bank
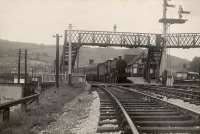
x,y
39,116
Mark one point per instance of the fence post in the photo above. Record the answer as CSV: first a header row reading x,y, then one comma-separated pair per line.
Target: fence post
x,y
6,114
23,106
37,100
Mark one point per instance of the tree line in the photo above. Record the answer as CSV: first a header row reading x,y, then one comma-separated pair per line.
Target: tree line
x,y
195,65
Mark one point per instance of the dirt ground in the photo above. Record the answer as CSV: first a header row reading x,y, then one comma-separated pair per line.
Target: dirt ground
x,y
59,110
74,117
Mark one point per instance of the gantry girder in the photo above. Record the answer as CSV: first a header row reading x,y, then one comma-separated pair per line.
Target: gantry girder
x,y
133,40
183,40
106,38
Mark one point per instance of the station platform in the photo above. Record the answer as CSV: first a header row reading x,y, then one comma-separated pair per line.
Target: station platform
x,y
141,80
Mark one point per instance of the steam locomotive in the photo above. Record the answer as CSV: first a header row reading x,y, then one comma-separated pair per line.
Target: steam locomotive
x,y
111,71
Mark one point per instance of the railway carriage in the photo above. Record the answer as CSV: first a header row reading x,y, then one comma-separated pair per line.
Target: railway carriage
x,y
190,78
187,76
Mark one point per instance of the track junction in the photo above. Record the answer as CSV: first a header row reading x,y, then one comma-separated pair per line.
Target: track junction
x,y
133,111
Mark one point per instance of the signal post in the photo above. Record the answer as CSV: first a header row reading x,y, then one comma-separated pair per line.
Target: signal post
x,y
166,23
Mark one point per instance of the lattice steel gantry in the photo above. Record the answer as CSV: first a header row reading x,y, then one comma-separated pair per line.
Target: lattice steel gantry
x,y
133,40
128,40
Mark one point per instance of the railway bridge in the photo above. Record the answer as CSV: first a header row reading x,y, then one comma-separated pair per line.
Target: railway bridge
x,y
154,43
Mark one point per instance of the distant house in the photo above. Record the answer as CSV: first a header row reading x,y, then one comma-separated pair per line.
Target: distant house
x,y
135,65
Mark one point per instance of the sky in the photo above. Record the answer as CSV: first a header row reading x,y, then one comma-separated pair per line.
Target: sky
x,y
38,20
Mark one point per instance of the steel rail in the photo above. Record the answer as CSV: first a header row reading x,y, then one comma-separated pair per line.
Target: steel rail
x,y
178,92
127,117
179,108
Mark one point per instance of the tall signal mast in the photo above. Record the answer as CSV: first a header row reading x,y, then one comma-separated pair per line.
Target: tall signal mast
x,y
168,21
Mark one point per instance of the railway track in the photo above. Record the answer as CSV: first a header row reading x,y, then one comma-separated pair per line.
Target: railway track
x,y
113,117
149,115
187,94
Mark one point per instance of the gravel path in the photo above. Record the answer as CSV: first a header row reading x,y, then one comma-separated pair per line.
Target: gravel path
x,y
89,125
80,116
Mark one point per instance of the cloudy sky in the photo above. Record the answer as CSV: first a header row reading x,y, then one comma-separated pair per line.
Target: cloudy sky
x,y
37,20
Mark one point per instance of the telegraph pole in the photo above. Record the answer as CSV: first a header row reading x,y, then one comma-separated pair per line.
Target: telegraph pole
x,y
70,57
25,73
25,67
57,36
19,68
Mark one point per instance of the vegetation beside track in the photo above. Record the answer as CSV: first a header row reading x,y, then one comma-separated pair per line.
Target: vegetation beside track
x,y
38,117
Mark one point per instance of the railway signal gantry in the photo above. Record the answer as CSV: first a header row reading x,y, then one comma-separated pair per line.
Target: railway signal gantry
x,y
125,39
133,40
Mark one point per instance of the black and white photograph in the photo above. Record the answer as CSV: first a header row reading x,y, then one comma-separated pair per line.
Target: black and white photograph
x,y
99,67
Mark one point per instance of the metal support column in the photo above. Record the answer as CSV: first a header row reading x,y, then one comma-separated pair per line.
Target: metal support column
x,y
78,52
77,60
70,57
148,76
158,45
164,51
